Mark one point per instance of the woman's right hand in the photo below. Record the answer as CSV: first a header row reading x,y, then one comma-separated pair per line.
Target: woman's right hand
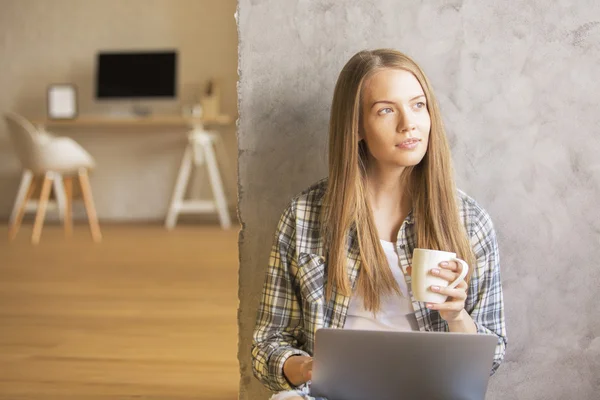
x,y
298,369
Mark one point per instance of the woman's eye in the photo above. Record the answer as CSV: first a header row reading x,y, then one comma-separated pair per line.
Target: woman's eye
x,y
420,105
386,110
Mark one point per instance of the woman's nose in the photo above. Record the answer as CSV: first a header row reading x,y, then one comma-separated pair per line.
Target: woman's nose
x,y
406,123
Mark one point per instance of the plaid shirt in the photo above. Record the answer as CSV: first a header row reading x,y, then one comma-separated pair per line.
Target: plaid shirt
x,y
293,302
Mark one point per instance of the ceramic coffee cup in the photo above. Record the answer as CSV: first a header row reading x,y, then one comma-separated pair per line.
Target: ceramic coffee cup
x,y
424,260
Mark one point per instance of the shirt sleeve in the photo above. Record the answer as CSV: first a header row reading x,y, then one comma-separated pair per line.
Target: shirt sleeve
x,y
278,333
488,309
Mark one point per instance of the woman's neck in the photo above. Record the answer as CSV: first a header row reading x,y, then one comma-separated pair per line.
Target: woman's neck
x,y
390,201
388,189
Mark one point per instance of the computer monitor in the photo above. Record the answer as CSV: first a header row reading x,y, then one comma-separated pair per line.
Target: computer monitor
x,y
136,75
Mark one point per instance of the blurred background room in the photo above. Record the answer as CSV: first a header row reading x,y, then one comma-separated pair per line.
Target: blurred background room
x,y
118,192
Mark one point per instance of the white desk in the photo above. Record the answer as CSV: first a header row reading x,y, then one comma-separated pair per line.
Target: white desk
x,y
198,152
155,121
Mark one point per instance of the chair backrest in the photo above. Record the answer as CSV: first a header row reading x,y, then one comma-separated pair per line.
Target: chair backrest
x,y
25,138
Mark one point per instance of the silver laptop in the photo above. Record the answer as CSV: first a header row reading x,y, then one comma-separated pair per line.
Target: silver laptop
x,y
384,365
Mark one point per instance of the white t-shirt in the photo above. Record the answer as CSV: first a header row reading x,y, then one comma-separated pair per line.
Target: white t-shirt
x,y
396,313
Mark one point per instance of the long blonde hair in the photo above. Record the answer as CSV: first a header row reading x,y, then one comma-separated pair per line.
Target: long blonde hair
x,y
346,207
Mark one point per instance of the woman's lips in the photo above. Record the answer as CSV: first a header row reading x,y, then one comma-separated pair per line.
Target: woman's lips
x,y
409,144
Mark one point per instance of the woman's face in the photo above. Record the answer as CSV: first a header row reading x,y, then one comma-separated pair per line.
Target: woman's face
x,y
396,121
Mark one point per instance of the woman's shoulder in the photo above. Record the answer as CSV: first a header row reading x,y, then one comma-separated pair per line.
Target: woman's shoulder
x,y
473,213
311,197
302,218
303,213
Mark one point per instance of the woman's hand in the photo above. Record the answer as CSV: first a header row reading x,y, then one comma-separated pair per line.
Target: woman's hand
x,y
298,369
453,310
288,395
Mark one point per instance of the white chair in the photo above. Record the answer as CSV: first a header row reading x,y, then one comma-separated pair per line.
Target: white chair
x,y
199,151
53,160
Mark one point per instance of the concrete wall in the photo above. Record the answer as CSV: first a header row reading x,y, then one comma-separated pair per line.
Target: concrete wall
x,y
44,42
518,83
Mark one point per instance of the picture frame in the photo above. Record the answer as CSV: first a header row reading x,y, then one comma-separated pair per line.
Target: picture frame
x,y
62,101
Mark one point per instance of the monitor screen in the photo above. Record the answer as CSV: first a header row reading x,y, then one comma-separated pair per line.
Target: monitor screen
x,y
136,74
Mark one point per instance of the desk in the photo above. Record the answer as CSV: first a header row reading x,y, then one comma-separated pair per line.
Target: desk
x,y
154,121
199,152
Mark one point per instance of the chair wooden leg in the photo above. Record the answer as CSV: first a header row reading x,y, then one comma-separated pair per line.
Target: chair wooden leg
x,y
86,191
16,222
68,210
41,211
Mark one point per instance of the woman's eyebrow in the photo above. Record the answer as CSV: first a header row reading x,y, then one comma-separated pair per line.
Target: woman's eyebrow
x,y
392,102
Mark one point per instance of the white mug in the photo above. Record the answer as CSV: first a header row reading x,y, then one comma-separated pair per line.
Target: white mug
x,y
424,260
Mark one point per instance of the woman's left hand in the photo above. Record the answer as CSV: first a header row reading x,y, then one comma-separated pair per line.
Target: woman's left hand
x,y
452,309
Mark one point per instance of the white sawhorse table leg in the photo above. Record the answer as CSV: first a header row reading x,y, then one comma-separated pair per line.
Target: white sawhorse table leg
x,y
200,150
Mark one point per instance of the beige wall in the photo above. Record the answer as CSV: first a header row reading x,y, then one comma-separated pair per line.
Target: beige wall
x,y
49,41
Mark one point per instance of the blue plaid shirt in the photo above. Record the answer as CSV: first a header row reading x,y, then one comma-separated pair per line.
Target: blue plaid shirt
x,y
293,302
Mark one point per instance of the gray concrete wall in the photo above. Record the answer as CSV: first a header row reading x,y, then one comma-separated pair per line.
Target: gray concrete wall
x,y
518,83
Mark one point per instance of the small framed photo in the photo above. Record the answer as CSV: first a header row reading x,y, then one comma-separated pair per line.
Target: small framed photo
x,y
62,101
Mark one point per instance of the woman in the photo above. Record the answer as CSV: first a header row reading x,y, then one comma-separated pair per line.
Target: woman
x,y
343,247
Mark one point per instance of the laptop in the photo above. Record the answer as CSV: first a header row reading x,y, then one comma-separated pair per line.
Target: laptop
x,y
386,365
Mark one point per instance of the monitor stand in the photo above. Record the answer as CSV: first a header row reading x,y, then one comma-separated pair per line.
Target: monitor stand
x,y
141,111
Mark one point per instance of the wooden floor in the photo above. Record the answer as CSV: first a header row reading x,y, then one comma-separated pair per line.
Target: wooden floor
x,y
146,314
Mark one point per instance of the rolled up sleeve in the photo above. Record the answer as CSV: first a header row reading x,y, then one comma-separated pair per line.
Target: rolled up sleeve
x,y
488,309
278,334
